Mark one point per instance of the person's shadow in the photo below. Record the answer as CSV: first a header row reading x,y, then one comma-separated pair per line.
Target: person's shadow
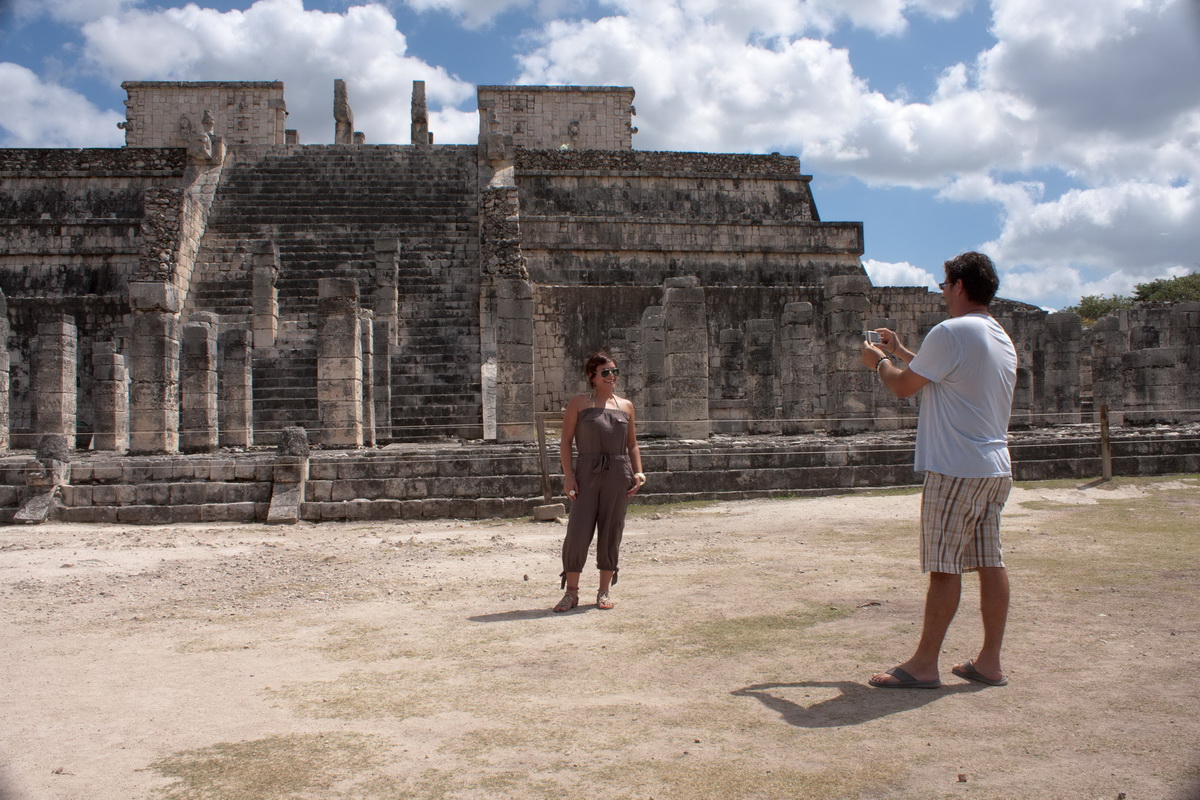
x,y
515,616
855,703
533,613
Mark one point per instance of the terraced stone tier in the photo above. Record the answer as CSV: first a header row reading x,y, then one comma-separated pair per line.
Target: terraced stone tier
x,y
324,208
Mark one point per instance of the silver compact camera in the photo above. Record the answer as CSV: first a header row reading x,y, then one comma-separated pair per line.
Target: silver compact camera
x,y
872,337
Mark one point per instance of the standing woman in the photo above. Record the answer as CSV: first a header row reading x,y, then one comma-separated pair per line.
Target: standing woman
x,y
606,474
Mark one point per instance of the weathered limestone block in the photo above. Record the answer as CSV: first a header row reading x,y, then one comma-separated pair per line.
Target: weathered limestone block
x,y
1153,391
851,399
1108,344
760,375
153,361
198,387
45,478
265,266
366,322
1188,320
500,233
386,302
1060,368
54,376
654,360
797,377
507,370
343,116
686,342
293,441
236,386
290,474
4,373
339,364
421,136
110,399
731,350
625,346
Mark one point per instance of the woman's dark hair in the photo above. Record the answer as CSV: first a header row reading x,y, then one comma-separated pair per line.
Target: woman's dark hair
x,y
593,363
978,276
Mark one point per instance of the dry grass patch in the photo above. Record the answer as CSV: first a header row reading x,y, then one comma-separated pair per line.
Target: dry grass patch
x,y
267,769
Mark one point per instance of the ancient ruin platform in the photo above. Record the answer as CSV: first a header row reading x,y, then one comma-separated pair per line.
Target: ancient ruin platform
x,y
473,480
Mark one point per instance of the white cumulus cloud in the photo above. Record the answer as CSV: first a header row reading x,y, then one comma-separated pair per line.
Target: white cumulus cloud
x,y
306,49
40,114
884,273
1077,124
69,11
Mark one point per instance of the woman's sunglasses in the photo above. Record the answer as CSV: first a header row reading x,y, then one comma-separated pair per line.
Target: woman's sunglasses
x,y
604,373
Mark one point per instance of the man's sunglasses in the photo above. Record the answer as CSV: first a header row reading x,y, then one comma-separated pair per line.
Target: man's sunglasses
x,y
604,373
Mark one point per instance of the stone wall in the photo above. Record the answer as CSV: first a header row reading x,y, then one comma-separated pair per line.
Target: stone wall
x,y
633,218
78,227
480,481
160,299
172,113
554,117
1143,363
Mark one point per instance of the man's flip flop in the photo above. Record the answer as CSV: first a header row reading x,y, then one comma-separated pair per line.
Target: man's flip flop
x,y
904,681
969,672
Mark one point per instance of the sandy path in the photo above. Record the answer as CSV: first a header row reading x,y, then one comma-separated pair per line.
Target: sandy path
x,y
419,660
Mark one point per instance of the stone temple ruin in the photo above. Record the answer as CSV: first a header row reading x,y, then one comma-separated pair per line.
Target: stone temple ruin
x,y
187,314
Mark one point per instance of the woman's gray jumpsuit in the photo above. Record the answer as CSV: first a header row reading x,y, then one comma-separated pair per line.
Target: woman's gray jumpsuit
x,y
604,476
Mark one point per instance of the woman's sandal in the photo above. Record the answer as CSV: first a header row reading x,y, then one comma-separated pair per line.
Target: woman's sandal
x,y
602,601
569,601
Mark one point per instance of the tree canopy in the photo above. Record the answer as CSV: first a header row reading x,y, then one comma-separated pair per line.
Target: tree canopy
x,y
1172,290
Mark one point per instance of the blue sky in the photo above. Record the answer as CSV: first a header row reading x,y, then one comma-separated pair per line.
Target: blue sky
x,y
1061,138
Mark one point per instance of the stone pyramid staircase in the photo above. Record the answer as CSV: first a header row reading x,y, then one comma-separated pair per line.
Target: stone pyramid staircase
x,y
324,207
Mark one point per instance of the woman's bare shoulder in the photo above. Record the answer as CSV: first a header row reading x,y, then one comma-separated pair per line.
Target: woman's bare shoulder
x,y
625,405
578,401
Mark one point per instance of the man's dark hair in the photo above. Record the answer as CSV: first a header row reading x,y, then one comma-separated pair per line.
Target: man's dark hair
x,y
978,276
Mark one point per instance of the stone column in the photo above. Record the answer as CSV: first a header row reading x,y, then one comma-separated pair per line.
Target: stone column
x,y
4,373
386,302
851,398
420,116
1152,390
796,368
1189,348
625,348
343,115
760,375
235,421
729,409
154,367
506,319
1060,368
265,267
53,377
339,364
366,327
687,358
654,360
514,360
1109,343
198,385
382,372
110,398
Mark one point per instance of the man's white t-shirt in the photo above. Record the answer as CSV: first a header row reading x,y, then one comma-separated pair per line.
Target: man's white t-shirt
x,y
962,429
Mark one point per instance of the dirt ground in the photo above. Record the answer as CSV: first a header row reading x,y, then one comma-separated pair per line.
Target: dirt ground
x,y
421,660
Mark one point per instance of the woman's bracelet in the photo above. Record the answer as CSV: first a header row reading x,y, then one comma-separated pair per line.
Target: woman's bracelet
x,y
641,478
